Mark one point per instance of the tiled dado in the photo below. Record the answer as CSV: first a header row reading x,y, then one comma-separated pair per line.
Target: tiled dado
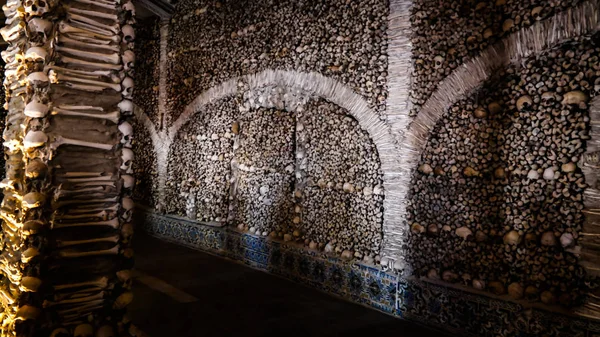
x,y
456,311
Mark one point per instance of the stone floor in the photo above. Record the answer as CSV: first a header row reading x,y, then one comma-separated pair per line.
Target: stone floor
x,y
184,293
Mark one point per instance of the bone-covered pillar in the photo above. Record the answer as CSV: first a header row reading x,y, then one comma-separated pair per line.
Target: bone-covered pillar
x,y
66,214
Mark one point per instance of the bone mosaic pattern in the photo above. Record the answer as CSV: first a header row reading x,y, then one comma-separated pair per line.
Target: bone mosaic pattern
x,y
67,209
343,193
448,34
342,40
496,182
200,164
454,310
289,91
147,72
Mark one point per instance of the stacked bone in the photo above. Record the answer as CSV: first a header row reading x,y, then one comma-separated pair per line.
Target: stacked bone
x,y
342,198
67,209
448,33
264,166
198,178
497,202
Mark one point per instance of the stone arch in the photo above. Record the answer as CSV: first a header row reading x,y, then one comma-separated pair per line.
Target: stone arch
x,y
316,85
581,20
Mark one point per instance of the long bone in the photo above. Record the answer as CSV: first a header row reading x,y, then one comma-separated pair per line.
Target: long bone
x,y
97,14
35,139
65,40
84,308
101,216
94,208
86,299
94,65
90,74
99,283
90,192
107,184
111,116
65,28
88,39
91,23
92,175
111,239
100,3
112,58
114,223
73,254
91,27
84,202
81,293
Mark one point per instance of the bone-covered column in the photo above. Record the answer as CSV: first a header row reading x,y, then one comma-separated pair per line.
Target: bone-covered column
x,y
66,213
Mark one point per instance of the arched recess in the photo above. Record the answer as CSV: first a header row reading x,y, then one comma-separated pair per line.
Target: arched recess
x,y
312,84
581,20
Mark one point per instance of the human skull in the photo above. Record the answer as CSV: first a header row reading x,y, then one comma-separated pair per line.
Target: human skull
x,y
127,204
40,27
128,181
60,332
127,232
438,61
36,54
84,330
129,7
127,85
105,331
127,131
37,7
126,107
128,33
524,102
128,59
125,277
127,160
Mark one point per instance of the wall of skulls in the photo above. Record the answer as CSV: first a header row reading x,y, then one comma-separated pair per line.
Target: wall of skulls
x,y
340,39
311,175
448,33
497,201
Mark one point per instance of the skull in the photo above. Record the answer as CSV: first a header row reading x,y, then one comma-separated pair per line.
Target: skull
x,y
84,330
127,131
60,332
36,7
128,181
129,7
126,107
524,102
128,33
36,54
536,12
548,98
127,87
125,277
438,61
127,157
127,205
40,27
128,59
105,331
127,232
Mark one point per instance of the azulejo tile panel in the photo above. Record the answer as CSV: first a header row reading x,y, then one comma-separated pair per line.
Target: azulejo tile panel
x,y
456,311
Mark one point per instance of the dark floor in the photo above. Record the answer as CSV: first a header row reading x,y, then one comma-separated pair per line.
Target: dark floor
x,y
184,293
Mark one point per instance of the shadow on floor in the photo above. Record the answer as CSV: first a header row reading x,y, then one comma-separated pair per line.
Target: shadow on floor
x,y
186,293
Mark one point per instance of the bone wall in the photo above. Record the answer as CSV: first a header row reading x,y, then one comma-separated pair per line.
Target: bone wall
x,y
341,39
67,208
497,202
448,33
